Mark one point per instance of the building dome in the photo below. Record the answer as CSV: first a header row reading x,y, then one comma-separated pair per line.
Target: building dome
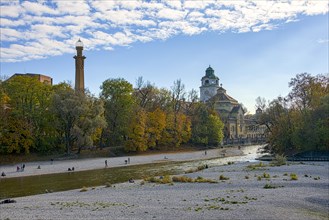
x,y
210,72
79,43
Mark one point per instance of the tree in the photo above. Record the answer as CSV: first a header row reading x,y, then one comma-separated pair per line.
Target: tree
x,y
77,117
136,140
207,127
156,122
299,122
27,101
118,103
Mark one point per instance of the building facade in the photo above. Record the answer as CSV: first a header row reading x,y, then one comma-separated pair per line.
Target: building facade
x,y
238,126
40,77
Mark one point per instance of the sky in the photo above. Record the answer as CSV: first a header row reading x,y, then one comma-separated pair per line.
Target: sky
x,y
255,47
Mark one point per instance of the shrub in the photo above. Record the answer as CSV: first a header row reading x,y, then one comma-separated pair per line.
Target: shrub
x,y
293,176
266,175
259,178
279,160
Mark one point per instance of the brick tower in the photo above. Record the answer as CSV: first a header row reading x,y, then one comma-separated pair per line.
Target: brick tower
x,y
79,68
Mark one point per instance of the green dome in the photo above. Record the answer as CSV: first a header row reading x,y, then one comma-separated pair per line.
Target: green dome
x,y
210,73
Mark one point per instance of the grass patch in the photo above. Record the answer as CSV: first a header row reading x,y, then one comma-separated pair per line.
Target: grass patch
x,y
182,179
162,180
269,186
200,179
293,176
256,166
222,177
84,189
199,168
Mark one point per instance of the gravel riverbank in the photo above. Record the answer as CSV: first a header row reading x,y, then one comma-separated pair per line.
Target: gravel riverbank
x,y
241,196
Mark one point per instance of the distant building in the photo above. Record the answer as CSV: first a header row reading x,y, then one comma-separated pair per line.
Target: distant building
x,y
237,125
41,78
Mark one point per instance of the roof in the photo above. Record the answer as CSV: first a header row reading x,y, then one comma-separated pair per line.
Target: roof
x,y
223,97
210,73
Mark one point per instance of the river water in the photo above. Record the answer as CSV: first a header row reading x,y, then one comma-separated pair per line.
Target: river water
x,y
32,185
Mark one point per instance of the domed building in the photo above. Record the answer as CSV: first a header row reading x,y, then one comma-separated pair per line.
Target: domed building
x,y
231,112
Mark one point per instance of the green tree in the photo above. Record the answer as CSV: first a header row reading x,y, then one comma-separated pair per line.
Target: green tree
x,y
28,102
118,102
77,117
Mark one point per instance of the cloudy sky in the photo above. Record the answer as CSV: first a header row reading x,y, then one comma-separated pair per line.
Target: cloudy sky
x,y
255,47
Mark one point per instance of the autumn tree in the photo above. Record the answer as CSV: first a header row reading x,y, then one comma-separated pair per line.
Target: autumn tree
x,y
299,122
28,101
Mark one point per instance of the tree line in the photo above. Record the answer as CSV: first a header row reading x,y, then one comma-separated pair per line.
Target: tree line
x,y
300,121
42,118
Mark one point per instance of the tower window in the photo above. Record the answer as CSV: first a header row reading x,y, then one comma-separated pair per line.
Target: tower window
x,y
207,82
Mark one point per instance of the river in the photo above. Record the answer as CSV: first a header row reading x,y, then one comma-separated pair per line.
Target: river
x,y
32,185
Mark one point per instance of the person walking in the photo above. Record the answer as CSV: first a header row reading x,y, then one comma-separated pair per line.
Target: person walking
x,y
105,163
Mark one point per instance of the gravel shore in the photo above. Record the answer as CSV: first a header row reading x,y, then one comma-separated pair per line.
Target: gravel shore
x,y
242,196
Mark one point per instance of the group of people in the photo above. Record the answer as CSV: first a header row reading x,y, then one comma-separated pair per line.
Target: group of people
x,y
20,168
70,169
127,161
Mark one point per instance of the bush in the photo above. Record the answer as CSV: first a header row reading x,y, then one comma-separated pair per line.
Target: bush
x,y
293,176
266,175
279,160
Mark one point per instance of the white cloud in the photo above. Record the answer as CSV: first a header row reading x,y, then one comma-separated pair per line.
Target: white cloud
x,y
171,14
43,28
37,8
7,34
12,10
73,7
11,23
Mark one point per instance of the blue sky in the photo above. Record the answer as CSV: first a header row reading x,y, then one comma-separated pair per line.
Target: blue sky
x,y
255,47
